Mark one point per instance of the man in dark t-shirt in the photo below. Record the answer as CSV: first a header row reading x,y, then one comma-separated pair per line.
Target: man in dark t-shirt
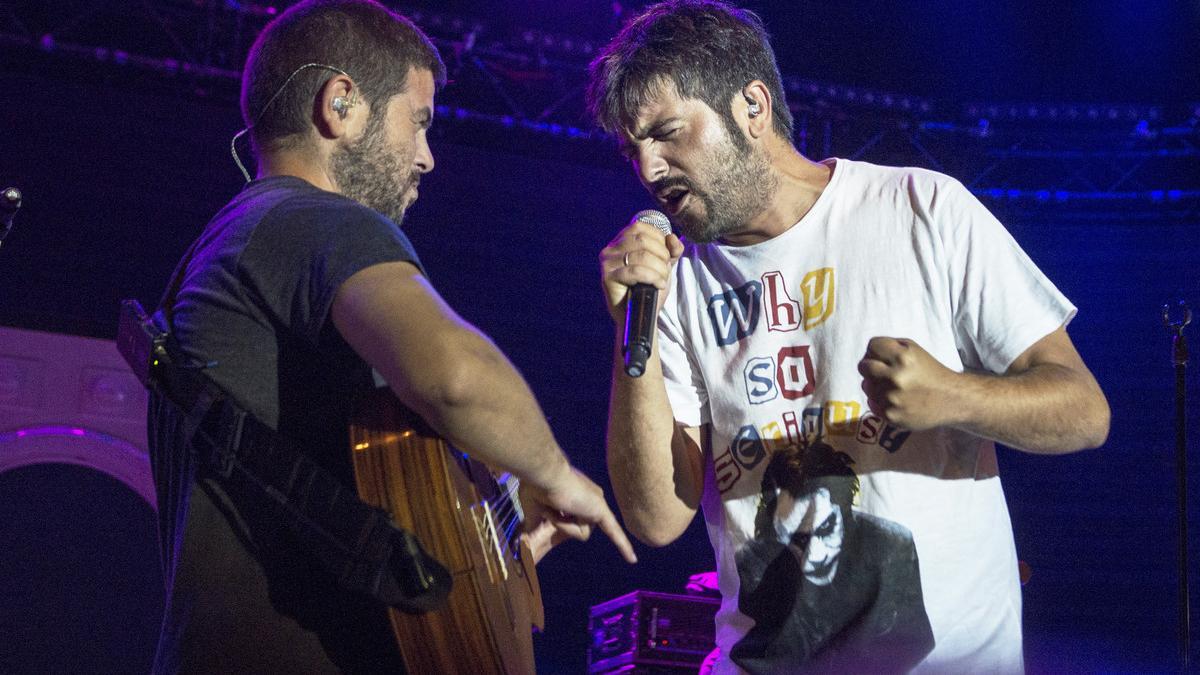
x,y
254,297
299,288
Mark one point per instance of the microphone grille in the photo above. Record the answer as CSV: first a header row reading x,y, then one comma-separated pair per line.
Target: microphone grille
x,y
11,198
656,218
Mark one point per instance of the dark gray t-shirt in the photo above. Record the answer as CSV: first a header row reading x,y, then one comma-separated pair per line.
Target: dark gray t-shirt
x,y
254,298
257,292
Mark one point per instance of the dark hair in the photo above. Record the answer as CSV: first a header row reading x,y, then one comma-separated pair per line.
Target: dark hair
x,y
372,44
793,468
706,48
799,470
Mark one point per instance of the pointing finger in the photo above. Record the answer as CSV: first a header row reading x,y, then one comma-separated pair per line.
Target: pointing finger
x,y
609,525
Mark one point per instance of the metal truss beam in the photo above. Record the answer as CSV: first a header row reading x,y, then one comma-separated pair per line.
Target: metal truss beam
x,y
1085,156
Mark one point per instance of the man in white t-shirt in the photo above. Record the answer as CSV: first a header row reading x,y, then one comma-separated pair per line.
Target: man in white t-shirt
x,y
839,345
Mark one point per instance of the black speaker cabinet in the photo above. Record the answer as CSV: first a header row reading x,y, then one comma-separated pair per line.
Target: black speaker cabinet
x,y
647,633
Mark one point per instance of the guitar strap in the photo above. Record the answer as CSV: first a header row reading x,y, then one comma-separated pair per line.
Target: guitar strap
x,y
356,542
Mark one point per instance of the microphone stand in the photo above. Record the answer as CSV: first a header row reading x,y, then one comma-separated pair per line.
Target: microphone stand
x,y
1179,358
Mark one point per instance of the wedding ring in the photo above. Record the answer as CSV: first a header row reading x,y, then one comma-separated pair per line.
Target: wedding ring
x,y
627,258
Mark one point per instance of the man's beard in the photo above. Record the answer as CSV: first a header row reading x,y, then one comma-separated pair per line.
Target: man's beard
x,y
372,174
740,185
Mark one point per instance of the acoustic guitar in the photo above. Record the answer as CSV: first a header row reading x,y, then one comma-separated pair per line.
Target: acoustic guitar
x,y
467,517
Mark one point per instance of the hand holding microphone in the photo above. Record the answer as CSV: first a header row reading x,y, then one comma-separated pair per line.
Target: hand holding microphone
x,y
636,265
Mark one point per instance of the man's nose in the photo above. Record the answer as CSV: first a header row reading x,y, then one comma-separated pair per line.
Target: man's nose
x,y
651,166
423,159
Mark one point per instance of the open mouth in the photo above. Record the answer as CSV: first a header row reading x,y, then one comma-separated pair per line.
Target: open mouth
x,y
674,199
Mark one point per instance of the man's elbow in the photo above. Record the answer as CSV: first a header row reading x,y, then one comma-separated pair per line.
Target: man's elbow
x,y
655,537
1099,424
1090,428
445,386
457,387
655,530
1090,415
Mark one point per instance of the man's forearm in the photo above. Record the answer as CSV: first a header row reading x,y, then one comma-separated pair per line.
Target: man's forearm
x,y
1047,402
484,406
446,371
1047,409
653,468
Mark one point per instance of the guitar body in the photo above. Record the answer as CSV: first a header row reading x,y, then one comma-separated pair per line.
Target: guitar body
x,y
463,515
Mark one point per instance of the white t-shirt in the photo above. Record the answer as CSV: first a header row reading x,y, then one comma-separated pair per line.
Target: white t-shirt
x,y
762,342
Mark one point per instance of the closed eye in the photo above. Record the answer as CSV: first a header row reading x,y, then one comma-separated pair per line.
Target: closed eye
x,y
423,118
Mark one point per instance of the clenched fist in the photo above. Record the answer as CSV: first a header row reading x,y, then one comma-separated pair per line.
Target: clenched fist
x,y
906,386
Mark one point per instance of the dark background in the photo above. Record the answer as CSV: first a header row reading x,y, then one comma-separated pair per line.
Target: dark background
x,y
1022,50
121,168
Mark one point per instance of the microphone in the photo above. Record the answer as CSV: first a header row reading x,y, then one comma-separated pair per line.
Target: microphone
x,y
639,309
10,201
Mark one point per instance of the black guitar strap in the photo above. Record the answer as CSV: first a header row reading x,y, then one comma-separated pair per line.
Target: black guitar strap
x,y
354,541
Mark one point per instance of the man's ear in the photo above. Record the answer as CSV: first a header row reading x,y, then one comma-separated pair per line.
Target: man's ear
x,y
336,108
754,108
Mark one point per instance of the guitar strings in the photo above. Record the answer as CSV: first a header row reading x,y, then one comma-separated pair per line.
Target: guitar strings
x,y
508,519
508,514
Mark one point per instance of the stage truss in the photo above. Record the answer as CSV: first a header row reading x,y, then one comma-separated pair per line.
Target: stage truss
x,y
1086,160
